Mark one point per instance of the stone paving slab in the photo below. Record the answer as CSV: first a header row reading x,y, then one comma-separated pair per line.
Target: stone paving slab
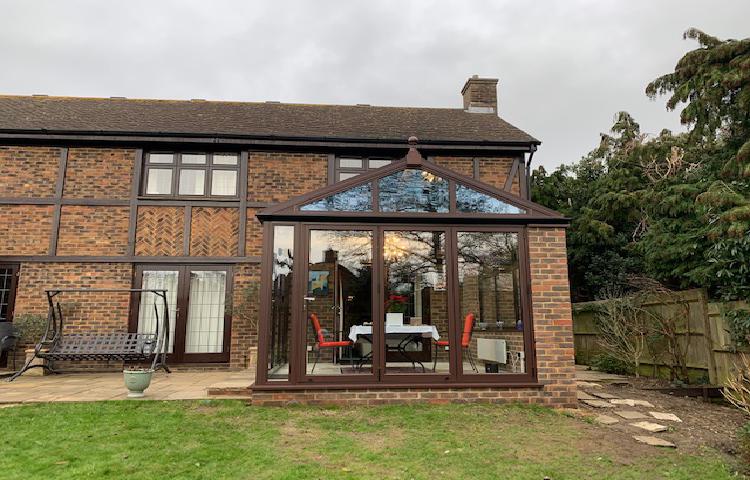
x,y
606,420
598,404
604,395
650,426
630,414
623,401
666,416
585,396
86,387
584,384
643,403
654,441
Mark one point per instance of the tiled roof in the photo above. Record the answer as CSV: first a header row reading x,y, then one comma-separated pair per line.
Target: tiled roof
x,y
246,119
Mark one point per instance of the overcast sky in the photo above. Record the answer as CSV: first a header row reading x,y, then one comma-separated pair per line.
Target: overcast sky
x,y
565,67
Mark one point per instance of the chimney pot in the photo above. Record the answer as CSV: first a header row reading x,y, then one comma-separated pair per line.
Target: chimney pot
x,y
480,95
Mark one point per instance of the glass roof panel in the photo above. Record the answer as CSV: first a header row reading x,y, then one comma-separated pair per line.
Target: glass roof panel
x,y
413,191
357,199
469,200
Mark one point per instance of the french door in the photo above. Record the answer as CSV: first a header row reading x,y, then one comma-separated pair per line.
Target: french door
x,y
8,282
198,297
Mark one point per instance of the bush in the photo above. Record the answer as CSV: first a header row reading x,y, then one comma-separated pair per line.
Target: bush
x,y
30,327
610,364
744,444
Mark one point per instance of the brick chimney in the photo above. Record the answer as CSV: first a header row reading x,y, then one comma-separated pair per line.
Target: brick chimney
x,y
480,95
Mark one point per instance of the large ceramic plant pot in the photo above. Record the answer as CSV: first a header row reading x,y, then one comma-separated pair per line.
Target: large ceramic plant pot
x,y
137,381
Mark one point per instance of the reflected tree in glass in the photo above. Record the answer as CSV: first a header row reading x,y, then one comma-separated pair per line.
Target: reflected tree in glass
x,y
413,191
469,200
357,199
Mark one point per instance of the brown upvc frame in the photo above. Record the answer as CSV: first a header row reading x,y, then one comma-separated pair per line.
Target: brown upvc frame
x,y
183,305
177,166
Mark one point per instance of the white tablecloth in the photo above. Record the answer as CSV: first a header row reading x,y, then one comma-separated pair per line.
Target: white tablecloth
x,y
430,330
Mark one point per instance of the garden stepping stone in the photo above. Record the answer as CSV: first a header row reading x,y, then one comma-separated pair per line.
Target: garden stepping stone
x,y
623,401
582,384
642,403
650,426
630,414
598,404
666,416
606,420
585,396
654,441
603,395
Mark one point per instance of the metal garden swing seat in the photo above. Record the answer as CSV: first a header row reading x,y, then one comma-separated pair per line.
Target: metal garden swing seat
x,y
55,344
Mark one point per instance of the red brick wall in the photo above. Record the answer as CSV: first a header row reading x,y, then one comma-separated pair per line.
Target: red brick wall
x,y
99,173
462,165
276,177
159,231
213,232
253,234
495,171
26,229
93,231
245,305
27,171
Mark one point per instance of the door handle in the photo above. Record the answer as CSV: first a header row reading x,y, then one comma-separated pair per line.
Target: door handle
x,y
309,299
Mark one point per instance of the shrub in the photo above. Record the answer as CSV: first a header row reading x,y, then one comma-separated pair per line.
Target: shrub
x,y
608,363
744,444
30,327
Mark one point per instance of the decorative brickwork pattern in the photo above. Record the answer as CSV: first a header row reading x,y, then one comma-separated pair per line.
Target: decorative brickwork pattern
x,y
159,231
28,171
214,232
26,229
253,234
276,177
93,231
462,165
246,303
99,173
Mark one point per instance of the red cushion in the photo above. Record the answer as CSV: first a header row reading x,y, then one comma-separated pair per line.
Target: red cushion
x,y
347,343
442,343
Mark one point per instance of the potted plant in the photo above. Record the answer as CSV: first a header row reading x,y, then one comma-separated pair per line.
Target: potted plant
x,y
137,380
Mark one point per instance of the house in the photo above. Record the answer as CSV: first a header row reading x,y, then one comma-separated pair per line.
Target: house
x,y
339,253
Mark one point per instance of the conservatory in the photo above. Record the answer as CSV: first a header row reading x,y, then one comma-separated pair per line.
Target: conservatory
x,y
411,274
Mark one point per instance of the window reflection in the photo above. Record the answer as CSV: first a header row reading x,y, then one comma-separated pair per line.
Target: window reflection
x,y
469,200
281,302
357,199
413,191
489,299
338,303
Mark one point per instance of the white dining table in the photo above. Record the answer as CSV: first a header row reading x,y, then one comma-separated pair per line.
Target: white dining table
x,y
366,331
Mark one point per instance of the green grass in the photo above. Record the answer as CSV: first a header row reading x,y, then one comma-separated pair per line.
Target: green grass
x,y
227,439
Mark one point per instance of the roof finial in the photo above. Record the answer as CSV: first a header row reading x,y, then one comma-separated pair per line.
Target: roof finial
x,y
413,157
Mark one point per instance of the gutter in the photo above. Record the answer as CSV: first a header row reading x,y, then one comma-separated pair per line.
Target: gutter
x,y
532,149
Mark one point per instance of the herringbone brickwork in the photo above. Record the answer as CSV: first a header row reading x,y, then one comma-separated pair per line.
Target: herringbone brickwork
x,y
159,231
213,232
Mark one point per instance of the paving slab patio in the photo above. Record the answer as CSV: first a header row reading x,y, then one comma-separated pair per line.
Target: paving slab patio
x,y
90,387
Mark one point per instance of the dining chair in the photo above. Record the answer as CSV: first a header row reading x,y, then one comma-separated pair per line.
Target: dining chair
x,y
320,335
465,343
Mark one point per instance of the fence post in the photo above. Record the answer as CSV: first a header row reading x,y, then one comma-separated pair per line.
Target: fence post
x,y
708,337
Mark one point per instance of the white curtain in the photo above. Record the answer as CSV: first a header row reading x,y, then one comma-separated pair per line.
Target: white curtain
x,y
146,316
205,323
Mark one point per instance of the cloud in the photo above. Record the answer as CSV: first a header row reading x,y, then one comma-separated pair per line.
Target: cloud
x,y
565,68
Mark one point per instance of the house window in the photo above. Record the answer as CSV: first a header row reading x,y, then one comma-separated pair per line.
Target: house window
x,y
188,174
348,167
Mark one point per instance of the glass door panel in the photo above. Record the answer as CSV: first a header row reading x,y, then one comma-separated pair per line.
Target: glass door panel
x,y
338,303
415,302
206,312
152,307
491,327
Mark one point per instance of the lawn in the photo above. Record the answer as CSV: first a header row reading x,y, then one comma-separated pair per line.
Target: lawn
x,y
227,439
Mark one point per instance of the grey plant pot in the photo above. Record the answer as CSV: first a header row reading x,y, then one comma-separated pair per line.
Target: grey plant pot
x,y
137,381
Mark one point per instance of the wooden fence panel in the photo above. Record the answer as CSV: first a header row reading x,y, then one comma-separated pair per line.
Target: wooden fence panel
x,y
703,332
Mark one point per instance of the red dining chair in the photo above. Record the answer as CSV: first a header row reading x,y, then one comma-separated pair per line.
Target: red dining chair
x,y
320,334
465,342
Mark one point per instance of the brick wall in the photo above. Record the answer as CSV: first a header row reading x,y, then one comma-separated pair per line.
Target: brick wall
x,y
93,230
26,229
495,171
276,177
159,231
99,173
27,171
253,234
462,165
245,311
213,232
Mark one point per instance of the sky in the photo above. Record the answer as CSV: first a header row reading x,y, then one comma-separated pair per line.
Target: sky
x,y
565,67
